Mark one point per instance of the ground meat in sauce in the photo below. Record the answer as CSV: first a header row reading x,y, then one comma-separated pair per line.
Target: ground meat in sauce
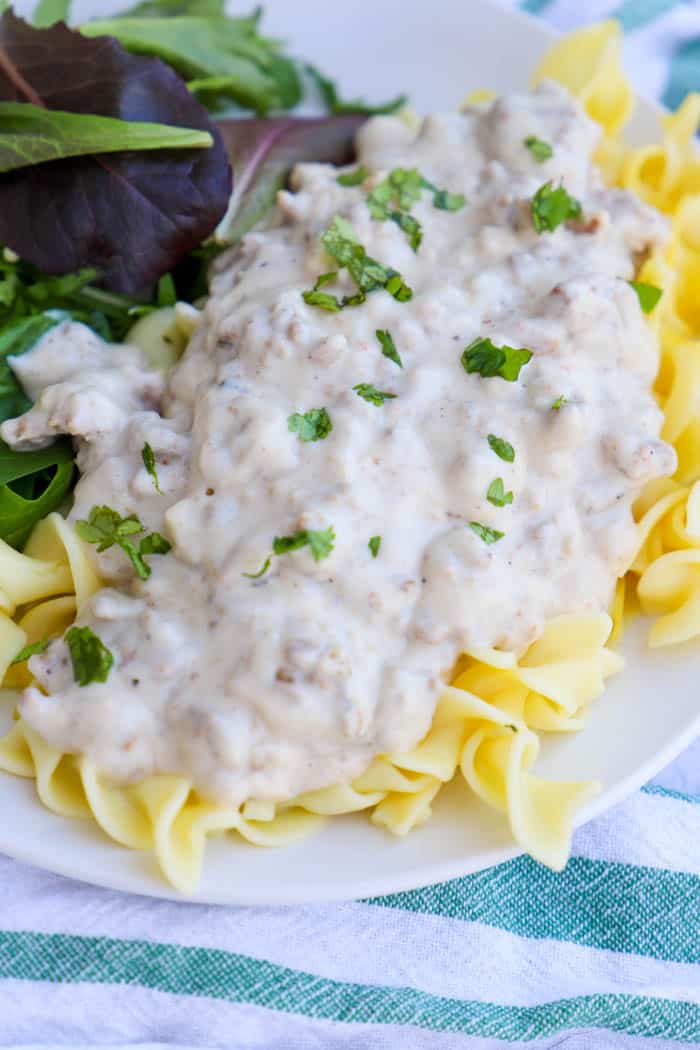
x,y
270,687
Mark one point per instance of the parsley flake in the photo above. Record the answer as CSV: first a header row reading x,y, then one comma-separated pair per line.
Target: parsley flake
x,y
648,295
105,527
33,649
503,449
497,494
388,346
321,542
314,425
374,545
560,401
485,532
488,360
92,661
353,178
341,243
370,393
261,571
149,462
410,226
551,207
539,149
323,300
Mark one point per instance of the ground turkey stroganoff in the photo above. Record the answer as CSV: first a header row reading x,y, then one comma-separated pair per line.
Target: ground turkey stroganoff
x,y
266,687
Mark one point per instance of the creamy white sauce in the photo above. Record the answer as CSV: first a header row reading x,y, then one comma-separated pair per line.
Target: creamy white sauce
x,y
266,688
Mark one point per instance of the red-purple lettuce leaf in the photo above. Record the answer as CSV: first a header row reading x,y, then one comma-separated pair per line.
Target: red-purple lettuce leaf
x,y
131,215
264,152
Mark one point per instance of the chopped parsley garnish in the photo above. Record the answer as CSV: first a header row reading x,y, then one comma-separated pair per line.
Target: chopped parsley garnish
x,y
560,401
341,243
502,448
353,178
314,425
323,300
410,226
402,185
388,346
485,532
374,545
395,196
261,571
320,541
370,393
551,207
539,149
149,462
397,287
33,649
105,527
488,360
443,200
92,661
648,295
497,494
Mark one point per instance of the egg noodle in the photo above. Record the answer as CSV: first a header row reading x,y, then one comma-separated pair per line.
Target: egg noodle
x,y
488,721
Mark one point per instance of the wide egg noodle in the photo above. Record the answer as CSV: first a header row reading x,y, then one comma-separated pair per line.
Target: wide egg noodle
x,y
487,723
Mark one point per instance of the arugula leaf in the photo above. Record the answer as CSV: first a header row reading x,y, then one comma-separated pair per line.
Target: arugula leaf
x,y
560,401
503,449
485,532
370,393
488,360
648,294
105,527
353,178
86,212
374,545
92,661
388,346
34,135
497,494
314,425
149,461
540,150
261,571
49,11
320,541
33,649
551,207
329,93
265,151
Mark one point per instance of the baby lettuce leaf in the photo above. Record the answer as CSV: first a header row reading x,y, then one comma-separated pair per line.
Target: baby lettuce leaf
x,y
223,51
175,8
47,12
33,135
32,484
264,152
132,215
331,96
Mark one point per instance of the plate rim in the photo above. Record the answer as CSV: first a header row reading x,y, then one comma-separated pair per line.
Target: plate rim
x,y
122,880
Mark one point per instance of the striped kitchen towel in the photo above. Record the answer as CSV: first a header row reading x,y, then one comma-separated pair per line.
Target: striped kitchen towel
x,y
604,955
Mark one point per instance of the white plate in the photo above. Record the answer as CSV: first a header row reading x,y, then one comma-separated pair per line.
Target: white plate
x,y
437,52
